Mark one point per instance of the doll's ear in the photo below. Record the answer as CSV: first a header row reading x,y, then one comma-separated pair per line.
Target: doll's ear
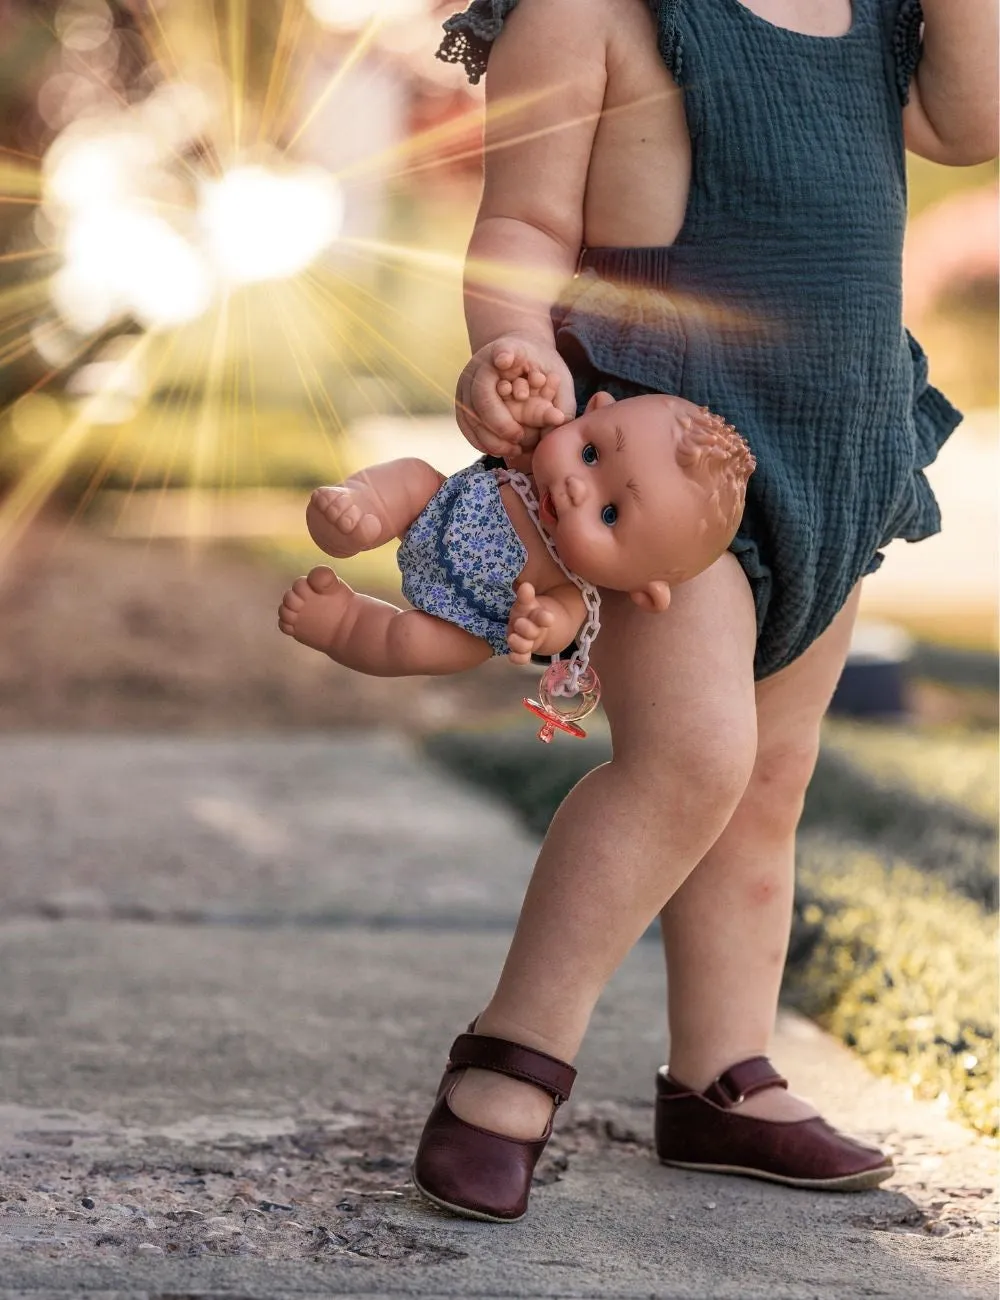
x,y
599,400
654,597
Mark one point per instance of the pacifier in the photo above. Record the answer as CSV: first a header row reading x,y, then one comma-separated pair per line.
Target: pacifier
x,y
558,710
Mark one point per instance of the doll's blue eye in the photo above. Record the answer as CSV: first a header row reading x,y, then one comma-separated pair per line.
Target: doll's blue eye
x,y
589,454
609,516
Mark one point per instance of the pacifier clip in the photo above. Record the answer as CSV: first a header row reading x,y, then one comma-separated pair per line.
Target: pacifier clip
x,y
570,681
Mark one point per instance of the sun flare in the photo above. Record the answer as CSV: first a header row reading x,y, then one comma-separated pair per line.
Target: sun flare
x,y
200,234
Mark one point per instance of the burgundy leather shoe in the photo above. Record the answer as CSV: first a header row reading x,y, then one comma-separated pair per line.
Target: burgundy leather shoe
x,y
467,1169
701,1130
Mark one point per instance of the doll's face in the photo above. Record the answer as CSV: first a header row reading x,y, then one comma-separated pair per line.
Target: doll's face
x,y
646,490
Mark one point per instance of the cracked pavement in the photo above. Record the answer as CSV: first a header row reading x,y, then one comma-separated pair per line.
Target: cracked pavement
x,y
231,971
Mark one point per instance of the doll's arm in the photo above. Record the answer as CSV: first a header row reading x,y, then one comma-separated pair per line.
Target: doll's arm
x,y
371,507
544,624
951,116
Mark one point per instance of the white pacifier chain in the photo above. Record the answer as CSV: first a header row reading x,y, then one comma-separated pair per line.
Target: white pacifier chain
x,y
564,679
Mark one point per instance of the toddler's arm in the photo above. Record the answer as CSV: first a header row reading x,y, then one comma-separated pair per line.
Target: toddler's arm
x,y
544,624
544,94
952,113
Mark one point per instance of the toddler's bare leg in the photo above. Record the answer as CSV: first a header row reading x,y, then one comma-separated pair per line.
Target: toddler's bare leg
x,y
372,636
678,691
726,929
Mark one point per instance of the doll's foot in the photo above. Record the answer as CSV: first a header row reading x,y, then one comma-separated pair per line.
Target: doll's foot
x,y
341,521
314,608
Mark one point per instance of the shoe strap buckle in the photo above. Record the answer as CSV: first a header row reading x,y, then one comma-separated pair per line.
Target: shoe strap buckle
x,y
743,1080
724,1085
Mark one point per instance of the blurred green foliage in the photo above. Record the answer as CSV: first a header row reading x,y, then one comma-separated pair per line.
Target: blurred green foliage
x,y
928,830
894,935
902,969
952,766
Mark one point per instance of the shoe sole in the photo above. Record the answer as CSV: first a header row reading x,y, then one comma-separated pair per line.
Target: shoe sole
x,y
849,1183
460,1210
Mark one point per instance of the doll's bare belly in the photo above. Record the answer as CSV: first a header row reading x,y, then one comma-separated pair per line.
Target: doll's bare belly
x,y
640,166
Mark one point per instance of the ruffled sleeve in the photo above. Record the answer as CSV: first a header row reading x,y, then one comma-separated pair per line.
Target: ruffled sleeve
x,y
907,44
469,35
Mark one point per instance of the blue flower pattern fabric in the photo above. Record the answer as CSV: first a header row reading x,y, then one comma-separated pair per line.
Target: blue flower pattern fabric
x,y
461,556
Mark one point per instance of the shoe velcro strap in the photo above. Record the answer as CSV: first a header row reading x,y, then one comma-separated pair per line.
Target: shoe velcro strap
x,y
480,1052
743,1080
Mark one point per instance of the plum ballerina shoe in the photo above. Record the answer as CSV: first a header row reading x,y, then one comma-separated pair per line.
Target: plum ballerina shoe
x,y
703,1131
467,1169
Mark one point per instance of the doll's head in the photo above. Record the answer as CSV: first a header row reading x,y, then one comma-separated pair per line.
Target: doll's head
x,y
642,494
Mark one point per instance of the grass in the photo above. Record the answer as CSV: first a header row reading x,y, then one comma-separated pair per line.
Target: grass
x,y
894,934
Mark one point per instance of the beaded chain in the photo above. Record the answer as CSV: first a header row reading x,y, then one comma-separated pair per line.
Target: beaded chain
x,y
580,661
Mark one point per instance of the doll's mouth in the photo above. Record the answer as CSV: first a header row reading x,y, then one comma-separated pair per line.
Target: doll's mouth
x,y
547,509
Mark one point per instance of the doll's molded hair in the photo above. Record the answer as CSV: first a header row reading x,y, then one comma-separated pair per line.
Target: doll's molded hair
x,y
711,451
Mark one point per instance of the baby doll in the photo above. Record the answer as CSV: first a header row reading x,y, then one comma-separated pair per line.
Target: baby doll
x,y
635,496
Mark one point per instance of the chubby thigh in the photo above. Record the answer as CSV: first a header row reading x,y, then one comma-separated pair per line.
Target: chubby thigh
x,y
679,686
586,136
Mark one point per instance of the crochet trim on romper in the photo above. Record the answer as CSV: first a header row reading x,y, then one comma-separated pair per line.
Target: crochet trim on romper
x,y
469,35
907,45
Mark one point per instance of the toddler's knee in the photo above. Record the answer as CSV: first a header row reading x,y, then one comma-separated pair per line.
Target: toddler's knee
x,y
719,773
705,775
777,788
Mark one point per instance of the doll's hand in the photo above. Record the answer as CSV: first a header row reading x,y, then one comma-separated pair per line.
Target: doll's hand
x,y
482,413
528,623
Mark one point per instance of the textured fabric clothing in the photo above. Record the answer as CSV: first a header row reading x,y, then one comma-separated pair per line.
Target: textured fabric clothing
x,y
779,305
461,556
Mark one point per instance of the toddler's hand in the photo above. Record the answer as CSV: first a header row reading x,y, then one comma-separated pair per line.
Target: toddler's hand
x,y
529,394
482,413
527,625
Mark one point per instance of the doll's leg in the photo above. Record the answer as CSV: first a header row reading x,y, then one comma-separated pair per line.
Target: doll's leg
x,y
372,636
726,929
371,507
678,691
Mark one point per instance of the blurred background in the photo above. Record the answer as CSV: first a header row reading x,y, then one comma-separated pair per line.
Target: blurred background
x,y
231,245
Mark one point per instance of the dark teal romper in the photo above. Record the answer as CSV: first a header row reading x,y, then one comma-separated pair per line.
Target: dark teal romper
x,y
779,305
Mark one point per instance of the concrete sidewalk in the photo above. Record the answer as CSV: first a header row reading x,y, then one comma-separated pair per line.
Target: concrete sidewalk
x,y
230,974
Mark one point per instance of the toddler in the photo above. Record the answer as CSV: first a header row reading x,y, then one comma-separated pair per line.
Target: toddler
x,y
721,186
